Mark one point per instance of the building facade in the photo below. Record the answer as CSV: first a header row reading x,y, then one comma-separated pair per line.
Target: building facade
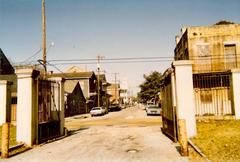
x,y
114,92
214,51
88,85
75,103
213,48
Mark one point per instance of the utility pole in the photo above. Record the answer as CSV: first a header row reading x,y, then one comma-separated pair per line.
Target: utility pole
x,y
115,81
44,37
99,57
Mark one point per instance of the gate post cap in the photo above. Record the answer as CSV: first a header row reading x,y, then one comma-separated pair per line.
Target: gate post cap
x,y
5,82
182,62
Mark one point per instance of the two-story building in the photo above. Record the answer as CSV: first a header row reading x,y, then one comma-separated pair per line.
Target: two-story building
x,y
80,89
114,91
214,51
104,101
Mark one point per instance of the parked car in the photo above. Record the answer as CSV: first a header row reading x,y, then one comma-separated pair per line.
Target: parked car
x,y
105,109
153,110
122,106
97,111
114,107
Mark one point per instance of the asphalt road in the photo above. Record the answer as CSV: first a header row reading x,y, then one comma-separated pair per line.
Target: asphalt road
x,y
127,135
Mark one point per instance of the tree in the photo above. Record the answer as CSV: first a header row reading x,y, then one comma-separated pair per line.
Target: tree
x,y
150,87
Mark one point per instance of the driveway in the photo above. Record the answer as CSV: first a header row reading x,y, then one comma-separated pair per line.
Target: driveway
x,y
127,135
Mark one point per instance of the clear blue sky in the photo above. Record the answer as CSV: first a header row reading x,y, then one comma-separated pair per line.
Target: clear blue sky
x,y
113,28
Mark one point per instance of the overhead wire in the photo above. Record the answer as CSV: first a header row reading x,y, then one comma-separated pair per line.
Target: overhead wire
x,y
109,59
32,57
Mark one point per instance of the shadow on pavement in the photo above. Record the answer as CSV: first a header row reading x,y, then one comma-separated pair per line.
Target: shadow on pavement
x,y
178,148
72,132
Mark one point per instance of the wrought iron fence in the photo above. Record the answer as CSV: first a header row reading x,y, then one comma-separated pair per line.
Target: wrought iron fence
x,y
48,110
212,94
168,108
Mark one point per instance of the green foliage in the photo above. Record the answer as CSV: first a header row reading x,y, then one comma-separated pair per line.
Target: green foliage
x,y
150,87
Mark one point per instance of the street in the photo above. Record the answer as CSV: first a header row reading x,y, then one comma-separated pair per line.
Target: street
x,y
126,135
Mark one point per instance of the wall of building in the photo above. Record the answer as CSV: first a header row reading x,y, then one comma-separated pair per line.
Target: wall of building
x,y
84,83
207,47
114,91
76,103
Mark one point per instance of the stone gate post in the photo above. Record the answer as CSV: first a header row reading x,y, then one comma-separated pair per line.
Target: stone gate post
x,y
5,101
27,112
185,95
235,87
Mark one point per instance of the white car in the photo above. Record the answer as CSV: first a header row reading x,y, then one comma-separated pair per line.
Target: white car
x,y
97,111
153,110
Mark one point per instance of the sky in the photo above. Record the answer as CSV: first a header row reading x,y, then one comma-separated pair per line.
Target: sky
x,y
82,29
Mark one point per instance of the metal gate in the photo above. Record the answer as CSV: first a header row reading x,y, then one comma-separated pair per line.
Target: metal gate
x,y
168,106
212,94
48,110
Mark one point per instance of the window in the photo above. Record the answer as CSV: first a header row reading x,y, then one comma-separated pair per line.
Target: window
x,y
203,50
203,59
206,96
230,56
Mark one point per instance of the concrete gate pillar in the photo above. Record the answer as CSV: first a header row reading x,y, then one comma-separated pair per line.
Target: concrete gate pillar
x,y
185,95
235,87
27,111
5,101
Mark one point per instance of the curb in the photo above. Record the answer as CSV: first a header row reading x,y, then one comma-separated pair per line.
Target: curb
x,y
198,150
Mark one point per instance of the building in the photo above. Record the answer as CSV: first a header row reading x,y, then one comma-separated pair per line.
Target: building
x,y
104,101
5,66
75,101
88,87
114,91
214,51
212,48
123,96
7,73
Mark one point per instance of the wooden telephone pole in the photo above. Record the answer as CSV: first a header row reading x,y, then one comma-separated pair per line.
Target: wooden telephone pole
x,y
115,89
98,84
44,37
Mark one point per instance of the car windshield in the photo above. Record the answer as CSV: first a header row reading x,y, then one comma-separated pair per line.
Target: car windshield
x,y
96,108
153,107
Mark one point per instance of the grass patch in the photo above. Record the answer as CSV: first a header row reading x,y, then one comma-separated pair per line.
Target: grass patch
x,y
219,140
12,136
194,156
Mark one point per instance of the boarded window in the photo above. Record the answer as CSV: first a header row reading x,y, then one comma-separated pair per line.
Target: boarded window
x,y
206,96
203,58
203,50
230,56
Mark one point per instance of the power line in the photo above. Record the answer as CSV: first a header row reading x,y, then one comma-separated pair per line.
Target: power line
x,y
32,57
112,62
109,59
